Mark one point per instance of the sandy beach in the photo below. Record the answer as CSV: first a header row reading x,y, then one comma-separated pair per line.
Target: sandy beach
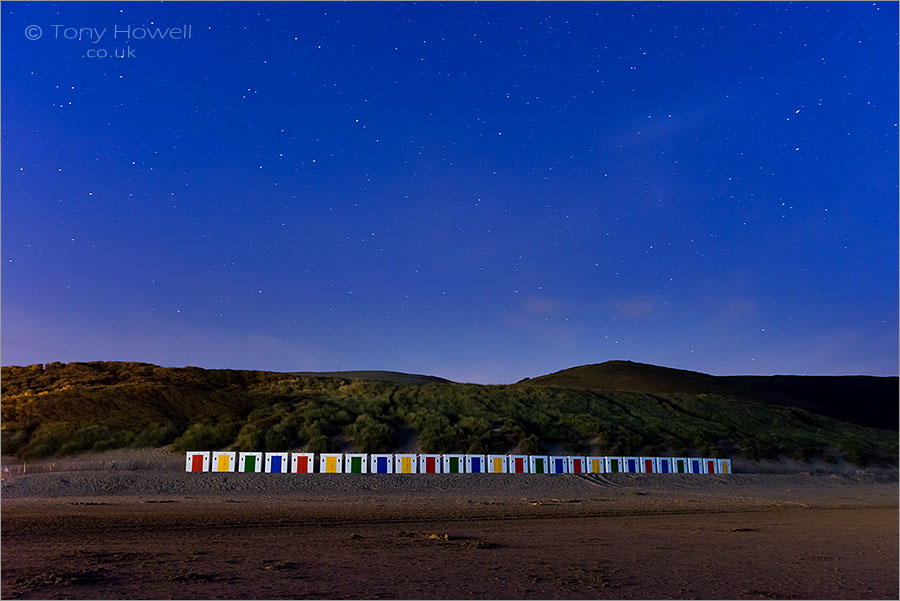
x,y
145,534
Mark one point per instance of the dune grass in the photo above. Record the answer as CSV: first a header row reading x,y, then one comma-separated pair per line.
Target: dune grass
x,y
60,409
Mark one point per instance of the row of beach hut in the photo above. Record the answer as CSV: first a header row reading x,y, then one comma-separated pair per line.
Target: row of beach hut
x,y
363,463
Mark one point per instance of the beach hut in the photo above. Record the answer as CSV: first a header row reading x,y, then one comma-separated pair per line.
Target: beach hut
x,y
595,465
648,465
577,465
710,466
724,466
331,463
429,464
475,464
406,464
197,461
302,463
453,464
539,464
496,464
518,464
680,465
664,465
250,462
381,464
559,465
614,465
276,463
695,465
631,465
223,461
356,463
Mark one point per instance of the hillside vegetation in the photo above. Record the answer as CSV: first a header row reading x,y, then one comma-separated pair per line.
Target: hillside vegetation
x,y
59,409
864,400
381,376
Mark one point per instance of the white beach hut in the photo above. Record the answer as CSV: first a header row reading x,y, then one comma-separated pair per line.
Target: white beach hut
x,y
356,463
475,464
613,465
250,462
647,465
223,461
303,463
577,465
595,465
197,461
496,464
406,464
631,465
276,463
665,465
710,466
331,463
695,465
559,464
538,464
429,464
517,464
381,464
453,464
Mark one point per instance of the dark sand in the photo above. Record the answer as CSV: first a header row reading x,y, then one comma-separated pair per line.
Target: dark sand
x,y
174,535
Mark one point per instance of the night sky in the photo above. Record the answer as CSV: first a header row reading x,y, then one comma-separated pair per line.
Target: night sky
x,y
483,192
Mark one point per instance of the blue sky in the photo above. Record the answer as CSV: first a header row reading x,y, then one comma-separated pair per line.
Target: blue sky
x,y
479,191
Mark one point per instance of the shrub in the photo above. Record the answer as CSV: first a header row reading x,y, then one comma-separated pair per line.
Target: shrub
x,y
531,445
200,437
11,442
46,440
93,438
371,435
650,451
250,438
800,454
474,425
321,444
281,436
117,440
155,435
576,448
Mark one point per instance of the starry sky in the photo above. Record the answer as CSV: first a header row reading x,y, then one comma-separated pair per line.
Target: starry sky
x,y
483,192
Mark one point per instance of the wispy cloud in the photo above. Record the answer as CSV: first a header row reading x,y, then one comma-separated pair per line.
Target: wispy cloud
x,y
534,310
664,123
543,319
639,306
730,308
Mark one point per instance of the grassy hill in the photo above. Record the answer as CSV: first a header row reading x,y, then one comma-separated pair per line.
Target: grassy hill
x,y
864,400
379,376
58,409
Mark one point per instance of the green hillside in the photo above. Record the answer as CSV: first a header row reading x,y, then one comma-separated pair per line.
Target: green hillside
x,y
864,400
59,409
